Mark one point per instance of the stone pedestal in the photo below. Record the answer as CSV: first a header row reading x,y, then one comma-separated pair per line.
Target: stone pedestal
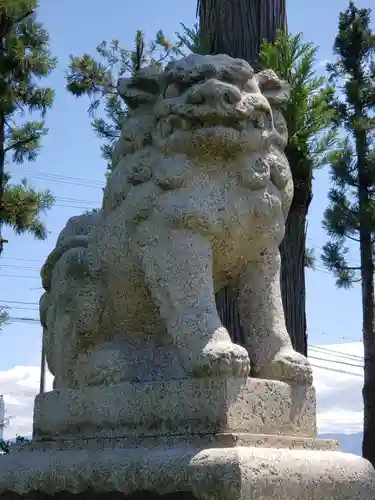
x,y
188,439
176,407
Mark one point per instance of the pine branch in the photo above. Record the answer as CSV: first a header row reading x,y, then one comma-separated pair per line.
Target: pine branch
x,y
4,316
5,446
96,78
25,141
22,142
310,258
25,59
6,24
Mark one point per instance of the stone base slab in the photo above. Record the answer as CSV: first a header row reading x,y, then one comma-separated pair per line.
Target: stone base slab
x,y
186,406
194,472
220,440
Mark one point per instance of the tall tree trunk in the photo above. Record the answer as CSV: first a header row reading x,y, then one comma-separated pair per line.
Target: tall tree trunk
x,y
2,130
238,28
367,279
292,278
2,163
367,270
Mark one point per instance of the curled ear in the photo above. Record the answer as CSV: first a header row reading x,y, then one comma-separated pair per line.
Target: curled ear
x,y
275,90
142,88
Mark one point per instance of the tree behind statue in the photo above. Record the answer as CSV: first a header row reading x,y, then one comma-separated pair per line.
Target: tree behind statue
x,y
96,77
350,215
307,115
310,139
24,58
238,28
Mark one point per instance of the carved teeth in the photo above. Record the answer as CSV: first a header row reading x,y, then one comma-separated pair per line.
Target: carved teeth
x,y
174,123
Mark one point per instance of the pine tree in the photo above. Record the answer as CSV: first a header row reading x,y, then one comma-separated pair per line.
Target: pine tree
x,y
308,117
292,59
4,317
238,28
350,215
25,58
97,78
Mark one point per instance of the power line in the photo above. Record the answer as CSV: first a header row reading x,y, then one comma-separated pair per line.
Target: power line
x,y
23,268
22,319
347,339
58,198
59,176
25,308
19,276
327,368
17,302
27,268
331,361
19,259
63,179
313,347
336,353
76,207
344,372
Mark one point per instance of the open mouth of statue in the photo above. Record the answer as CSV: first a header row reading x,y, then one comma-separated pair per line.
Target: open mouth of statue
x,y
214,122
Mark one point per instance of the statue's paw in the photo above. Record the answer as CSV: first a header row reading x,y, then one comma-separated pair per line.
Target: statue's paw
x,y
288,366
221,359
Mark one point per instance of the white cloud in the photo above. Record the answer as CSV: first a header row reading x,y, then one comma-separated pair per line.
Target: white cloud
x,y
338,386
339,398
19,385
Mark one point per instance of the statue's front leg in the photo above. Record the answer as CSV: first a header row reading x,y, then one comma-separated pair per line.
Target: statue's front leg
x,y
178,270
262,317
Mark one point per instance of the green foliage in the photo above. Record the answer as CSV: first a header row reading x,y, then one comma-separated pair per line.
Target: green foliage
x,y
350,214
96,78
6,446
25,59
310,258
307,113
23,206
192,40
4,316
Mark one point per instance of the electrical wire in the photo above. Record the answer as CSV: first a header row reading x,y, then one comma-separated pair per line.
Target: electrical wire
x,y
327,368
330,361
344,372
325,350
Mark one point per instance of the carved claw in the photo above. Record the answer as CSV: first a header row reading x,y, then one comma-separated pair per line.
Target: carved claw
x,y
289,366
221,359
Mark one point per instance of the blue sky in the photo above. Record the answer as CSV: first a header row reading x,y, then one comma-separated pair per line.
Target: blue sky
x,y
71,151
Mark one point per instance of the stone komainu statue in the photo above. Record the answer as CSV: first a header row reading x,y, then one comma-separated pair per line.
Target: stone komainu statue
x,y
198,196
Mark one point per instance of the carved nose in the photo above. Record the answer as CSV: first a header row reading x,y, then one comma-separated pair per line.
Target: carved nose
x,y
214,92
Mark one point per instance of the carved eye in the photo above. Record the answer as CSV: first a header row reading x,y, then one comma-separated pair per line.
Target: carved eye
x,y
230,97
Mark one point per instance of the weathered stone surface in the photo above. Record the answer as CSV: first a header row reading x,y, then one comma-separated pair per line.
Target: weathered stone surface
x,y
218,440
198,196
177,407
150,396
219,473
72,307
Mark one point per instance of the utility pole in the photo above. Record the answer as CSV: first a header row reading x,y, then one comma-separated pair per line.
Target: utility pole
x,y
2,416
42,370
2,128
